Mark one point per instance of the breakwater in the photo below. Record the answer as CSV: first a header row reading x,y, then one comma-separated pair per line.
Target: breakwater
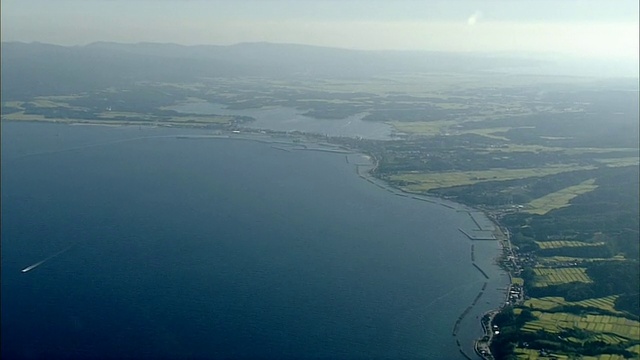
x,y
478,237
466,311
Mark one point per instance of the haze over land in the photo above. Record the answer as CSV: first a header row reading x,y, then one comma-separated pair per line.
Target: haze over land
x,y
516,120
598,37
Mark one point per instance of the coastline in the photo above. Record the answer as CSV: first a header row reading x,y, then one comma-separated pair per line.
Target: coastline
x,y
481,345
286,141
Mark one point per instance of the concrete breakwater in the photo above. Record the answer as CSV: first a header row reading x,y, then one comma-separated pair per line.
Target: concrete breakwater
x,y
478,237
481,271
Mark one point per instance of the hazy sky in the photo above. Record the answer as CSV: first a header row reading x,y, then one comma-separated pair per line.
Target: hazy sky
x,y
584,27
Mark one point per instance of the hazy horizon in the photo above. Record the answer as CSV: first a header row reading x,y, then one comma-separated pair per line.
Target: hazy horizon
x,y
594,28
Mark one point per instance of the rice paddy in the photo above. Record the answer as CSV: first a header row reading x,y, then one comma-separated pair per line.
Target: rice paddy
x,y
555,244
423,127
24,117
531,354
548,277
610,328
559,199
422,182
620,162
551,302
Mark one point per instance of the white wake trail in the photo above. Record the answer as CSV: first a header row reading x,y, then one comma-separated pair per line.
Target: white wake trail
x,y
31,267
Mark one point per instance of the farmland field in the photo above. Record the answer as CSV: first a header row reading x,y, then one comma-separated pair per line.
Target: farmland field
x,y
419,182
531,354
559,199
423,127
547,276
548,303
623,161
552,261
565,243
618,327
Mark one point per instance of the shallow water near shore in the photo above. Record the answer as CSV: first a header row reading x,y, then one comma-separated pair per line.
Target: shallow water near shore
x,y
224,248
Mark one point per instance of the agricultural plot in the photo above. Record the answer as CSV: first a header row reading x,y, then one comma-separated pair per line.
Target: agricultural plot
x,y
531,354
545,303
605,303
421,182
635,349
618,328
431,128
53,102
488,132
604,357
423,127
555,261
619,162
548,277
559,199
565,243
543,148
609,339
14,104
21,116
45,103
548,303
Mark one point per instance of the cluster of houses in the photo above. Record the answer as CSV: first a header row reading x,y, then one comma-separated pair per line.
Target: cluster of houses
x,y
515,295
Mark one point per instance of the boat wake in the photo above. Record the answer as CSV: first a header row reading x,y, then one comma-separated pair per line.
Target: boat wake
x,y
31,267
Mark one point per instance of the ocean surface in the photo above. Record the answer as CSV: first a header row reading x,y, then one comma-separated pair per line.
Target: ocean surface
x,y
156,246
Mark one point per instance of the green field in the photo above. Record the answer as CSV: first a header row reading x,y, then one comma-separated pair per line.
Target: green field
x,y
567,151
421,182
559,199
618,162
551,302
486,132
445,127
423,127
531,354
556,276
565,243
612,329
21,116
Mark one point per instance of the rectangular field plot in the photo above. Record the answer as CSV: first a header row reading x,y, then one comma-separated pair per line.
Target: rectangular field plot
x,y
420,182
635,349
605,303
531,354
618,329
545,303
550,302
547,276
559,199
565,243
619,162
604,357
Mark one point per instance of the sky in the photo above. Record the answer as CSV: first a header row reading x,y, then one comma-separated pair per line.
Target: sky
x,y
593,28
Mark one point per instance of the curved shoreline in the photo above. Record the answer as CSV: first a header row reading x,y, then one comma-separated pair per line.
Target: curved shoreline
x,y
302,141
481,347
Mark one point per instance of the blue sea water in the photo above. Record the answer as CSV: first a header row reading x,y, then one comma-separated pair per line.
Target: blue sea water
x,y
220,248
